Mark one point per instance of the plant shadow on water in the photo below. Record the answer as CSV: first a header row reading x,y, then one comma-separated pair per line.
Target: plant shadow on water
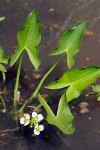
x,y
12,138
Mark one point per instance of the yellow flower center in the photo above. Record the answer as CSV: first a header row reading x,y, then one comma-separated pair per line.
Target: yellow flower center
x,y
37,117
38,129
26,120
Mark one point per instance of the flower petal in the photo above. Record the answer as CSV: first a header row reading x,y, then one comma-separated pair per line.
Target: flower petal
x,y
36,126
34,114
27,116
41,127
22,120
40,117
26,123
36,132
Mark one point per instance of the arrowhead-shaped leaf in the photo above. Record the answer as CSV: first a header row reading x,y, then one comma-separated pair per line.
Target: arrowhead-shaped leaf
x,y
76,80
29,37
3,59
70,43
64,118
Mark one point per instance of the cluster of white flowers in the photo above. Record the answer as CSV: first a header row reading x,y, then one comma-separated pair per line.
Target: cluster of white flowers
x,y
33,122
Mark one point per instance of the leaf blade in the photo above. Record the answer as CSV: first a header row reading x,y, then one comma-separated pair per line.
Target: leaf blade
x,y
34,56
25,35
64,119
16,54
76,80
70,43
28,37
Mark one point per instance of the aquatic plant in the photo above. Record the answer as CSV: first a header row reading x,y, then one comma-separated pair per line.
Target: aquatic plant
x,y
72,82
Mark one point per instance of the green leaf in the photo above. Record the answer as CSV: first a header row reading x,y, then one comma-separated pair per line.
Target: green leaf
x,y
76,80
70,43
2,68
34,56
64,118
3,59
29,38
16,54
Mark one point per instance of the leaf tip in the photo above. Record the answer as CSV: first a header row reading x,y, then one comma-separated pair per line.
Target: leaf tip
x,y
82,24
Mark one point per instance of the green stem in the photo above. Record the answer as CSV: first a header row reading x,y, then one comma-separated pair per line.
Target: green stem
x,y
22,108
43,79
73,102
17,83
80,98
41,82
3,103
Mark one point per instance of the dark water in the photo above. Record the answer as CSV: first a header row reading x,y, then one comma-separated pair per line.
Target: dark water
x,y
55,17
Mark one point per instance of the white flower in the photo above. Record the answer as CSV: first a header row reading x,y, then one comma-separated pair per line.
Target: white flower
x,y
38,128
37,117
25,120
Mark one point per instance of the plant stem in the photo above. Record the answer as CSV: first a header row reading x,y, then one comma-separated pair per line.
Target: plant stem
x,y
41,82
22,108
17,83
71,103
80,98
3,103
43,79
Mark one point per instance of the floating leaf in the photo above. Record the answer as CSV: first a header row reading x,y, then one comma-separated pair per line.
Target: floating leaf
x,y
76,80
29,38
70,43
64,118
